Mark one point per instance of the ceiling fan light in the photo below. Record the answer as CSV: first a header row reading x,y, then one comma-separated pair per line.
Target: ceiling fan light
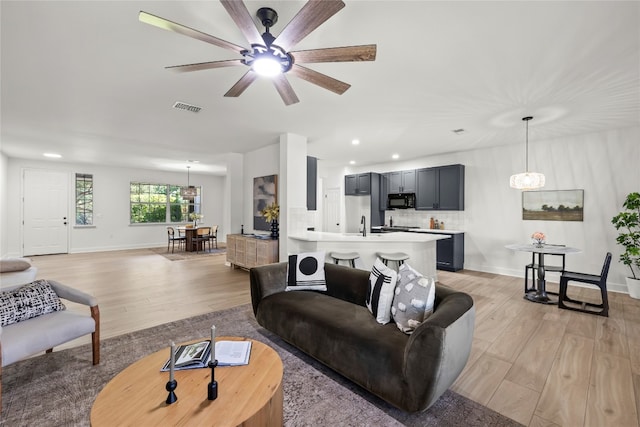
x,y
266,66
527,181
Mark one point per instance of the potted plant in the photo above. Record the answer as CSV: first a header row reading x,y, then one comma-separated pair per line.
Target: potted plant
x,y
628,223
271,214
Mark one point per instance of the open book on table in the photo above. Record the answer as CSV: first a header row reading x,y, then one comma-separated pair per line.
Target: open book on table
x,y
197,355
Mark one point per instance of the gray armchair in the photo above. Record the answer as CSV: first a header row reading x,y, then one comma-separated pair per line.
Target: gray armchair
x,y
28,337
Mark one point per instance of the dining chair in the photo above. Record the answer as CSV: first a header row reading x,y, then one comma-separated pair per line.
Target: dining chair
x,y
213,236
201,238
172,239
598,280
533,266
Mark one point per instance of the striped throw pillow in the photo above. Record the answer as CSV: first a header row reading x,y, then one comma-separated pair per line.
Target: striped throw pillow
x,y
382,284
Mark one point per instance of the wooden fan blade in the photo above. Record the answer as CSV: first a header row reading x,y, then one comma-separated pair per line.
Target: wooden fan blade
x,y
165,24
336,54
205,65
285,90
243,20
322,80
240,86
313,14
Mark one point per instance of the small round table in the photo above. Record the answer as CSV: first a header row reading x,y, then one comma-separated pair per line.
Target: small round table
x,y
249,395
540,295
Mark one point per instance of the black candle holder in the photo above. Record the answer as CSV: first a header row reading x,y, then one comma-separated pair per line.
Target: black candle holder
x,y
171,386
212,390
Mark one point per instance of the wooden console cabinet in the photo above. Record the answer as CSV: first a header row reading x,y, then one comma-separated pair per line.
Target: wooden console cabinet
x,y
246,251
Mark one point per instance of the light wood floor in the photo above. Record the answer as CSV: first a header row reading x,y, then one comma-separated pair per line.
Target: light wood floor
x,y
534,363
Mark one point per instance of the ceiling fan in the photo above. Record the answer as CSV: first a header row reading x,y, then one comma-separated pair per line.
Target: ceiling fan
x,y
269,55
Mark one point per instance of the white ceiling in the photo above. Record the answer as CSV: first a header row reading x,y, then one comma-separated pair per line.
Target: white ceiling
x,y
85,79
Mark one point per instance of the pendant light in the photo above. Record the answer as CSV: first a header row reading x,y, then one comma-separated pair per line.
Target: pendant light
x,y
189,192
527,180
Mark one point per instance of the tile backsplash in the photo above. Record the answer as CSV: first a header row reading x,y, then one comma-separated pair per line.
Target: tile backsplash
x,y
453,220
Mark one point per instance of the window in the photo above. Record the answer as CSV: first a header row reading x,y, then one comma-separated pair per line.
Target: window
x,y
160,203
84,199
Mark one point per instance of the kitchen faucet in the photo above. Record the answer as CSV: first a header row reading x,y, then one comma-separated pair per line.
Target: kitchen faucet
x,y
363,221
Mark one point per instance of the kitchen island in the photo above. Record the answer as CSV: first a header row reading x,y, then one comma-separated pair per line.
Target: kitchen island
x,y
421,248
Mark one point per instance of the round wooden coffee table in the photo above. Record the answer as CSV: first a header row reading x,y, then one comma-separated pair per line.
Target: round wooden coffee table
x,y
249,395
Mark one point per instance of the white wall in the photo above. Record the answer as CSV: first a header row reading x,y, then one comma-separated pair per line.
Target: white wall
x,y
111,230
262,162
4,202
604,164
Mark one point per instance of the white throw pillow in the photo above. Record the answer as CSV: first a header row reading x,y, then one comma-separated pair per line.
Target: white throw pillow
x,y
305,272
382,282
414,299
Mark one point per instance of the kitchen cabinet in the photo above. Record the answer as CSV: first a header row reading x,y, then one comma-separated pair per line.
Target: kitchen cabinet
x,y
357,184
402,182
312,183
449,252
440,188
246,251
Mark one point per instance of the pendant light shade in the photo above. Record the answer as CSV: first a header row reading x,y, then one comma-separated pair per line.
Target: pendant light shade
x,y
527,180
189,192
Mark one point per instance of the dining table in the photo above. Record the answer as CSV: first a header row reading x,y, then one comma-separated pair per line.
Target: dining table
x,y
539,294
190,233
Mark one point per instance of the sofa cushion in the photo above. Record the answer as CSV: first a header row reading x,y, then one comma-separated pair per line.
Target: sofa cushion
x,y
9,265
414,299
305,271
28,301
382,283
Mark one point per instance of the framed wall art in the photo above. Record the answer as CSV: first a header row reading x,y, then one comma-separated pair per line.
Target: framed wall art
x,y
556,205
265,192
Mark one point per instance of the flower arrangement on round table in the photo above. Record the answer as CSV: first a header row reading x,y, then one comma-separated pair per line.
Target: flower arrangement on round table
x,y
193,216
538,239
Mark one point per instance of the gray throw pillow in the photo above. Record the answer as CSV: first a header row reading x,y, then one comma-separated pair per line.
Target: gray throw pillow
x,y
32,300
10,265
414,299
305,272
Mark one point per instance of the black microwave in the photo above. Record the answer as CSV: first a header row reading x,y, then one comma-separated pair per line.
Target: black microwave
x,y
401,201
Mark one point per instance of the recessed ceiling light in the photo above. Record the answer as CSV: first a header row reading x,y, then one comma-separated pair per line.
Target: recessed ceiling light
x,y
52,155
352,162
193,161
355,141
395,156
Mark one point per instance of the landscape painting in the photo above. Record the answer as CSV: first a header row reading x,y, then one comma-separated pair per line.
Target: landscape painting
x,y
559,205
265,192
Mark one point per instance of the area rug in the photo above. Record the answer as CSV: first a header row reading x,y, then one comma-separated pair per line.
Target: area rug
x,y
180,255
58,389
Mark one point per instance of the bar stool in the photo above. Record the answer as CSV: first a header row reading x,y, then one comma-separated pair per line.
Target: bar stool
x,y
345,256
398,257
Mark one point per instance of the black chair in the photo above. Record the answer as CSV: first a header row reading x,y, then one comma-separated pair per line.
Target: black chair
x,y
201,238
592,279
172,239
534,268
213,236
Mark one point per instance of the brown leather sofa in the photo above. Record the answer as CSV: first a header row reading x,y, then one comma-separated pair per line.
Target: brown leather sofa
x,y
335,327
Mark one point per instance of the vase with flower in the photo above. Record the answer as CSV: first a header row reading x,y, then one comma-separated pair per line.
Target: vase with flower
x,y
538,239
193,216
271,214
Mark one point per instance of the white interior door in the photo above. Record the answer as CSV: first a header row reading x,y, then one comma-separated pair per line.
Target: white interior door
x,y
332,210
45,212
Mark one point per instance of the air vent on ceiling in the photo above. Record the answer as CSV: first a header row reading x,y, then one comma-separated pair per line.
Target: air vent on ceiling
x,y
188,107
459,131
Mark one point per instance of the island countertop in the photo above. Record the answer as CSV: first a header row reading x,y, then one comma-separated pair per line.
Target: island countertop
x,y
402,237
420,247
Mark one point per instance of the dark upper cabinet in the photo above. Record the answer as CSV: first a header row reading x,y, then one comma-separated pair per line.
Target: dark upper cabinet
x,y
440,188
357,184
402,182
312,183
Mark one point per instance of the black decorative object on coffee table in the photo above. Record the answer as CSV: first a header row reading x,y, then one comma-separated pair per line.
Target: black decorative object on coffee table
x,y
171,386
212,390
